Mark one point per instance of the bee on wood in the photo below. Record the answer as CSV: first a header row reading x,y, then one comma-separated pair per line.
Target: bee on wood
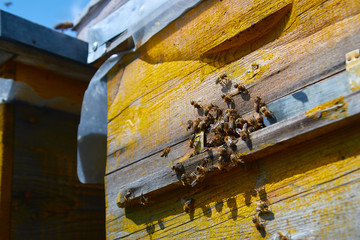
x,y
230,143
209,108
239,122
223,80
209,119
216,141
199,174
178,169
63,26
195,104
232,122
201,126
241,88
185,179
189,205
165,152
128,194
223,160
262,207
255,124
192,141
227,99
244,135
266,112
259,226
190,124
144,200
217,113
258,117
258,103
234,158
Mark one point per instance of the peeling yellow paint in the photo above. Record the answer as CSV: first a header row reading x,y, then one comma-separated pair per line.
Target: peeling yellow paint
x,y
336,108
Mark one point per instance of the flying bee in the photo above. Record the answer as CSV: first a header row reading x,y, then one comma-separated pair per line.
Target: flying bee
x,y
189,205
223,80
63,26
128,194
195,104
258,103
190,124
227,99
266,112
178,169
230,143
165,152
144,200
241,88
259,226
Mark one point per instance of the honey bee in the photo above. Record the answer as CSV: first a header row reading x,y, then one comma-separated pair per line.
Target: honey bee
x,y
230,143
63,26
259,226
241,88
199,174
223,160
190,124
227,99
195,104
232,122
217,113
223,80
209,120
185,179
239,122
244,135
189,205
201,126
165,152
266,112
216,141
234,158
258,103
178,169
192,141
262,207
144,200
128,194
209,108
255,124
259,118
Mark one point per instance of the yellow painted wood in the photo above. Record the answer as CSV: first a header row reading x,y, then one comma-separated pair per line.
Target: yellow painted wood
x,y
6,128
312,188
150,105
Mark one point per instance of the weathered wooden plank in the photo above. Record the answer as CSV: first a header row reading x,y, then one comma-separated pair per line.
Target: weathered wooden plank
x,y
154,112
48,201
262,142
6,162
305,199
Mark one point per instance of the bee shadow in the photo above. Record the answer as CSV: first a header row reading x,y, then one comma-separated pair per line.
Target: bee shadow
x,y
206,210
245,96
219,206
231,202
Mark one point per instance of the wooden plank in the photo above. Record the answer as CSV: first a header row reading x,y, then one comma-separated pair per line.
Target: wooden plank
x,y
151,92
263,142
6,162
312,188
48,201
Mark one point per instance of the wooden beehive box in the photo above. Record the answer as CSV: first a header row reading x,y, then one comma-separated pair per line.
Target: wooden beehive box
x,y
40,194
304,164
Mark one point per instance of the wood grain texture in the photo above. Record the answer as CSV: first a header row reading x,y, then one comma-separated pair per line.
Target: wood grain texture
x,y
266,141
6,162
312,189
151,107
48,201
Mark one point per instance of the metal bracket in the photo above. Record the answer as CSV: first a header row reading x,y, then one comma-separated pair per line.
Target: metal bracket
x,y
353,69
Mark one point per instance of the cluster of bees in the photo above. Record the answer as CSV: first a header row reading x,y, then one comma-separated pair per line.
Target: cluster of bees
x,y
221,129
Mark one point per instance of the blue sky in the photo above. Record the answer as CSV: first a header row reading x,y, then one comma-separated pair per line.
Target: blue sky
x,y
46,12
